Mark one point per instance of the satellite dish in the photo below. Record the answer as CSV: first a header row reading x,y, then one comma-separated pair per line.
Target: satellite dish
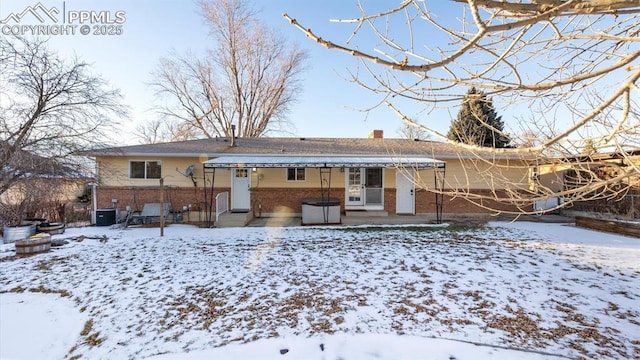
x,y
189,171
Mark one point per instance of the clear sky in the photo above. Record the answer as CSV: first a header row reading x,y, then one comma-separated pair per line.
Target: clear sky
x,y
327,107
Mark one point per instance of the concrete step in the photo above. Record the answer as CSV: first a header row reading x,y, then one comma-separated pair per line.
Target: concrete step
x,y
366,213
234,219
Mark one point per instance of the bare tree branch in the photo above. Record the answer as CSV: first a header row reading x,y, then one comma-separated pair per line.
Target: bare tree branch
x,y
51,109
567,70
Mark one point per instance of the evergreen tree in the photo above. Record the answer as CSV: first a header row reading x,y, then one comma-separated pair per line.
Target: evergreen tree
x,y
478,122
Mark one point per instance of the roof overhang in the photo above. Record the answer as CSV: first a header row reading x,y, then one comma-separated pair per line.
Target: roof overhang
x,y
322,162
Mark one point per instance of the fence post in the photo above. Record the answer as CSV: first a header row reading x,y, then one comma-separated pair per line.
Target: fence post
x,y
161,206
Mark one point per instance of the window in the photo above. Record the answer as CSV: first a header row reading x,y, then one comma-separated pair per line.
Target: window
x,y
145,169
296,174
374,178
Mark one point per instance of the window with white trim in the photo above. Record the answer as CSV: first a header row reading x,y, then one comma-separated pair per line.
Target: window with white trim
x,y
296,174
148,169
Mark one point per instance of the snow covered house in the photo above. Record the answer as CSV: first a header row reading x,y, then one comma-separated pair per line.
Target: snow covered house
x,y
274,176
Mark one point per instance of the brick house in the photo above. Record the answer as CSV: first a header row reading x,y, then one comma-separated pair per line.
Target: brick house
x,y
273,176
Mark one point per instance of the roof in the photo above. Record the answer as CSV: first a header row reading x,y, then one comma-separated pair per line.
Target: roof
x,y
310,161
296,146
18,162
622,154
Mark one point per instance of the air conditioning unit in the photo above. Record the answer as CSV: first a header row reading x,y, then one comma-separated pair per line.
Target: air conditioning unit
x,y
107,216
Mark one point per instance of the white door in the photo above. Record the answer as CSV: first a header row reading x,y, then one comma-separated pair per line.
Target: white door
x,y
355,187
405,192
240,186
373,187
364,187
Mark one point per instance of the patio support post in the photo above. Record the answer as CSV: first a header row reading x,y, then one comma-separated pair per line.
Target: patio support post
x,y
438,175
209,176
325,193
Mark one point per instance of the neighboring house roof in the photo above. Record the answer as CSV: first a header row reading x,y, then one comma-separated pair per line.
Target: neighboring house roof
x,y
606,156
26,164
297,146
621,157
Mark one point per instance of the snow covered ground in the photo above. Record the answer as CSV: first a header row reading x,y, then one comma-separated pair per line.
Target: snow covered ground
x,y
505,291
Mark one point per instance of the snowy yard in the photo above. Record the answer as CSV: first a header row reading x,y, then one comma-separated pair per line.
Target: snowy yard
x,y
553,290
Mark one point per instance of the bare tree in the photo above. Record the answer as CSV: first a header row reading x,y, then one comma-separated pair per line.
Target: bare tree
x,y
568,69
50,109
164,130
248,79
413,132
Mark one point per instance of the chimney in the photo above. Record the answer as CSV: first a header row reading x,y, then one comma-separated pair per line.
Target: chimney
x,y
376,134
233,135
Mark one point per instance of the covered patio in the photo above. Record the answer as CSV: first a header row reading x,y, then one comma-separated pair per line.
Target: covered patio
x,y
356,168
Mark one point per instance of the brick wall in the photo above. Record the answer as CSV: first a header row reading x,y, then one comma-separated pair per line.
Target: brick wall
x,y
284,200
426,203
271,200
390,201
136,197
278,200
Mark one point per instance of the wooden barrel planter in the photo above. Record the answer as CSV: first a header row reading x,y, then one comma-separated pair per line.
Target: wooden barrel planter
x,y
34,221
53,228
12,233
33,245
